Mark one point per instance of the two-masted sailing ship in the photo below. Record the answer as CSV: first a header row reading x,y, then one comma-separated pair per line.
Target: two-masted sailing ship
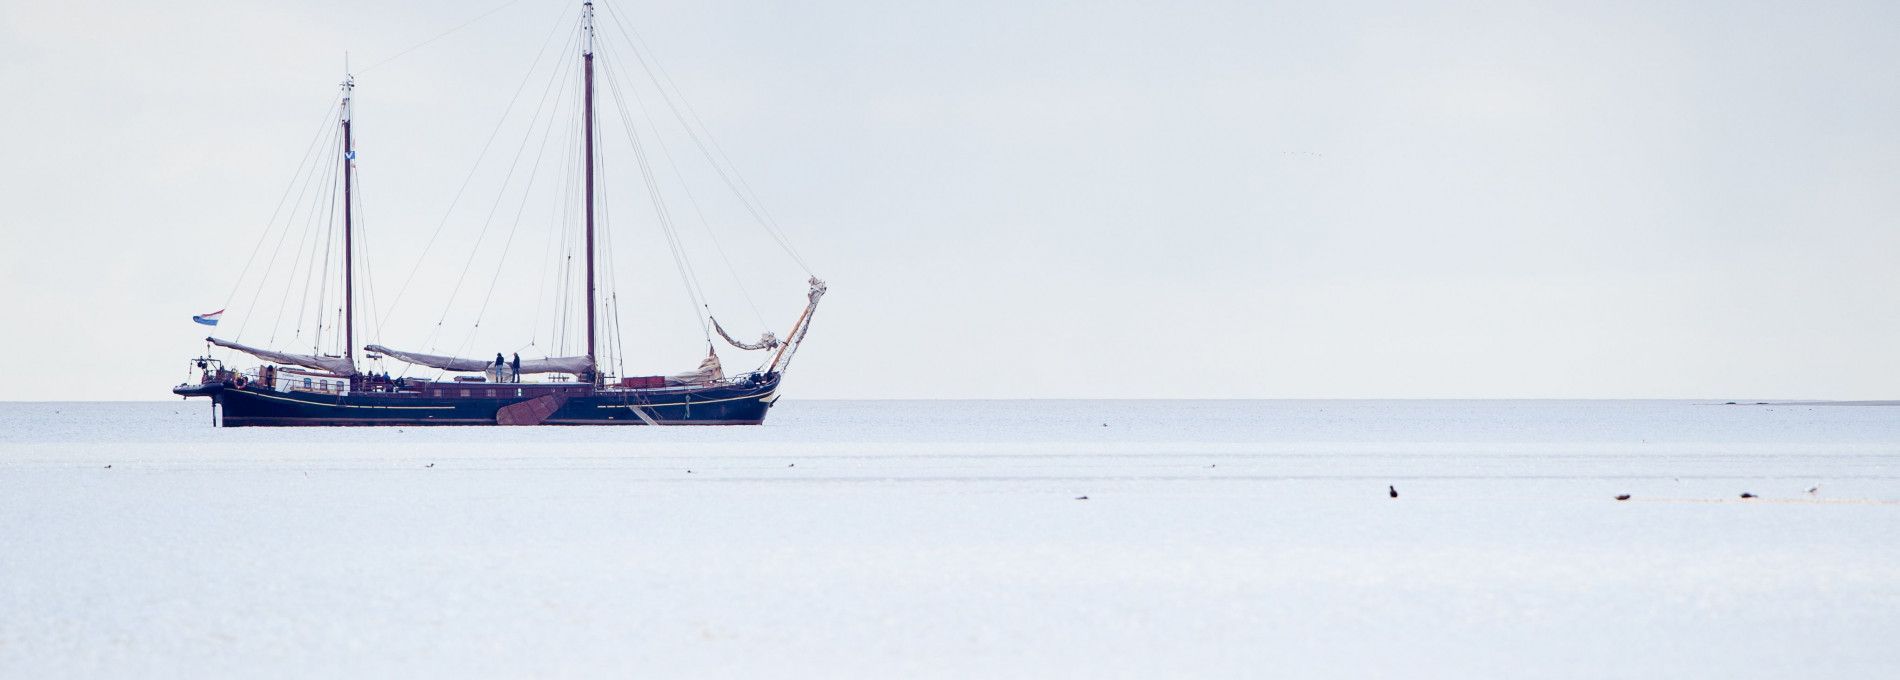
x,y
332,388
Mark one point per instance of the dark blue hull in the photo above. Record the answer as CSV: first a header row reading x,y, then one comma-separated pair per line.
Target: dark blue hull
x,y
731,404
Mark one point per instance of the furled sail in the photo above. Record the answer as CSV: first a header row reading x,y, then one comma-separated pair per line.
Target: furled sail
x,y
575,365
337,365
766,341
709,371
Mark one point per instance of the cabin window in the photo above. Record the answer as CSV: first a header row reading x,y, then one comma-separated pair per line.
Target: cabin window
x,y
306,383
465,392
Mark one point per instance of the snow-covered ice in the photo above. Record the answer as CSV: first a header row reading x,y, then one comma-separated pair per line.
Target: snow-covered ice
x,y
945,539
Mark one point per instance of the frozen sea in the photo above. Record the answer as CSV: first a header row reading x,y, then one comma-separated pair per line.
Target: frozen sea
x,y
947,539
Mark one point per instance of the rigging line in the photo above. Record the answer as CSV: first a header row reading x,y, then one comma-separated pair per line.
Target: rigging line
x,y
603,263
758,211
477,165
361,289
571,276
329,233
615,337
561,329
573,233
634,39
691,199
687,274
551,252
296,263
331,110
527,191
601,171
359,258
440,36
561,242
612,300
564,247
363,251
289,220
320,195
297,268
489,220
564,278
620,347
749,197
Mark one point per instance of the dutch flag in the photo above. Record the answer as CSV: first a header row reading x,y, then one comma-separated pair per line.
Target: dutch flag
x,y
208,319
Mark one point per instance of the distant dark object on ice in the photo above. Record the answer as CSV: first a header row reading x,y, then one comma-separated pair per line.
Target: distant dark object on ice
x,y
1622,497
1730,404
1746,494
429,465
109,466
791,465
1811,490
1081,498
1394,491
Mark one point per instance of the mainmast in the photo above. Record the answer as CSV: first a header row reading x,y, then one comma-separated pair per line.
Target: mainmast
x,y
349,246
587,116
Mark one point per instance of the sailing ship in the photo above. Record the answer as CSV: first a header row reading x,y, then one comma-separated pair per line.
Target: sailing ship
x,y
325,389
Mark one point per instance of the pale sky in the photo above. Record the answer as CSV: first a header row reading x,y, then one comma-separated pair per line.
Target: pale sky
x,y
1028,199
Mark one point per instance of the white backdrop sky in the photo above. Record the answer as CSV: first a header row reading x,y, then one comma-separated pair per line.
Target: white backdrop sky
x,y
1044,199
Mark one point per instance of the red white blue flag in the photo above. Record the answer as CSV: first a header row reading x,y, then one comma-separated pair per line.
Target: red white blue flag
x,y
208,319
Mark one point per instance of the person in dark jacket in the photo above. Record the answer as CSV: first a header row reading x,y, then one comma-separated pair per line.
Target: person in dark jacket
x,y
516,365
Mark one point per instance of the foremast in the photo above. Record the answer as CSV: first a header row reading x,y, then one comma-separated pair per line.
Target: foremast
x,y
349,244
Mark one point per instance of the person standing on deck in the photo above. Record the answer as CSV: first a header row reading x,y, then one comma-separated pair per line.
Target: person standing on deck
x,y
516,367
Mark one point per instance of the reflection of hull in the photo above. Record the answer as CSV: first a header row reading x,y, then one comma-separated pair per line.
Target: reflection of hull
x,y
734,404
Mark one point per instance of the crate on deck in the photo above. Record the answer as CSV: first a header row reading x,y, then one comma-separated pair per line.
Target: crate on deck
x,y
643,382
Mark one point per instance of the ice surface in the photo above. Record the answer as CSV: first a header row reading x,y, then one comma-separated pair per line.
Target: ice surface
x,y
944,539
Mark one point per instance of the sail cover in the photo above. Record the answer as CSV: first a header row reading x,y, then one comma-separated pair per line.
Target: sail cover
x,y
575,365
709,371
766,341
337,365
